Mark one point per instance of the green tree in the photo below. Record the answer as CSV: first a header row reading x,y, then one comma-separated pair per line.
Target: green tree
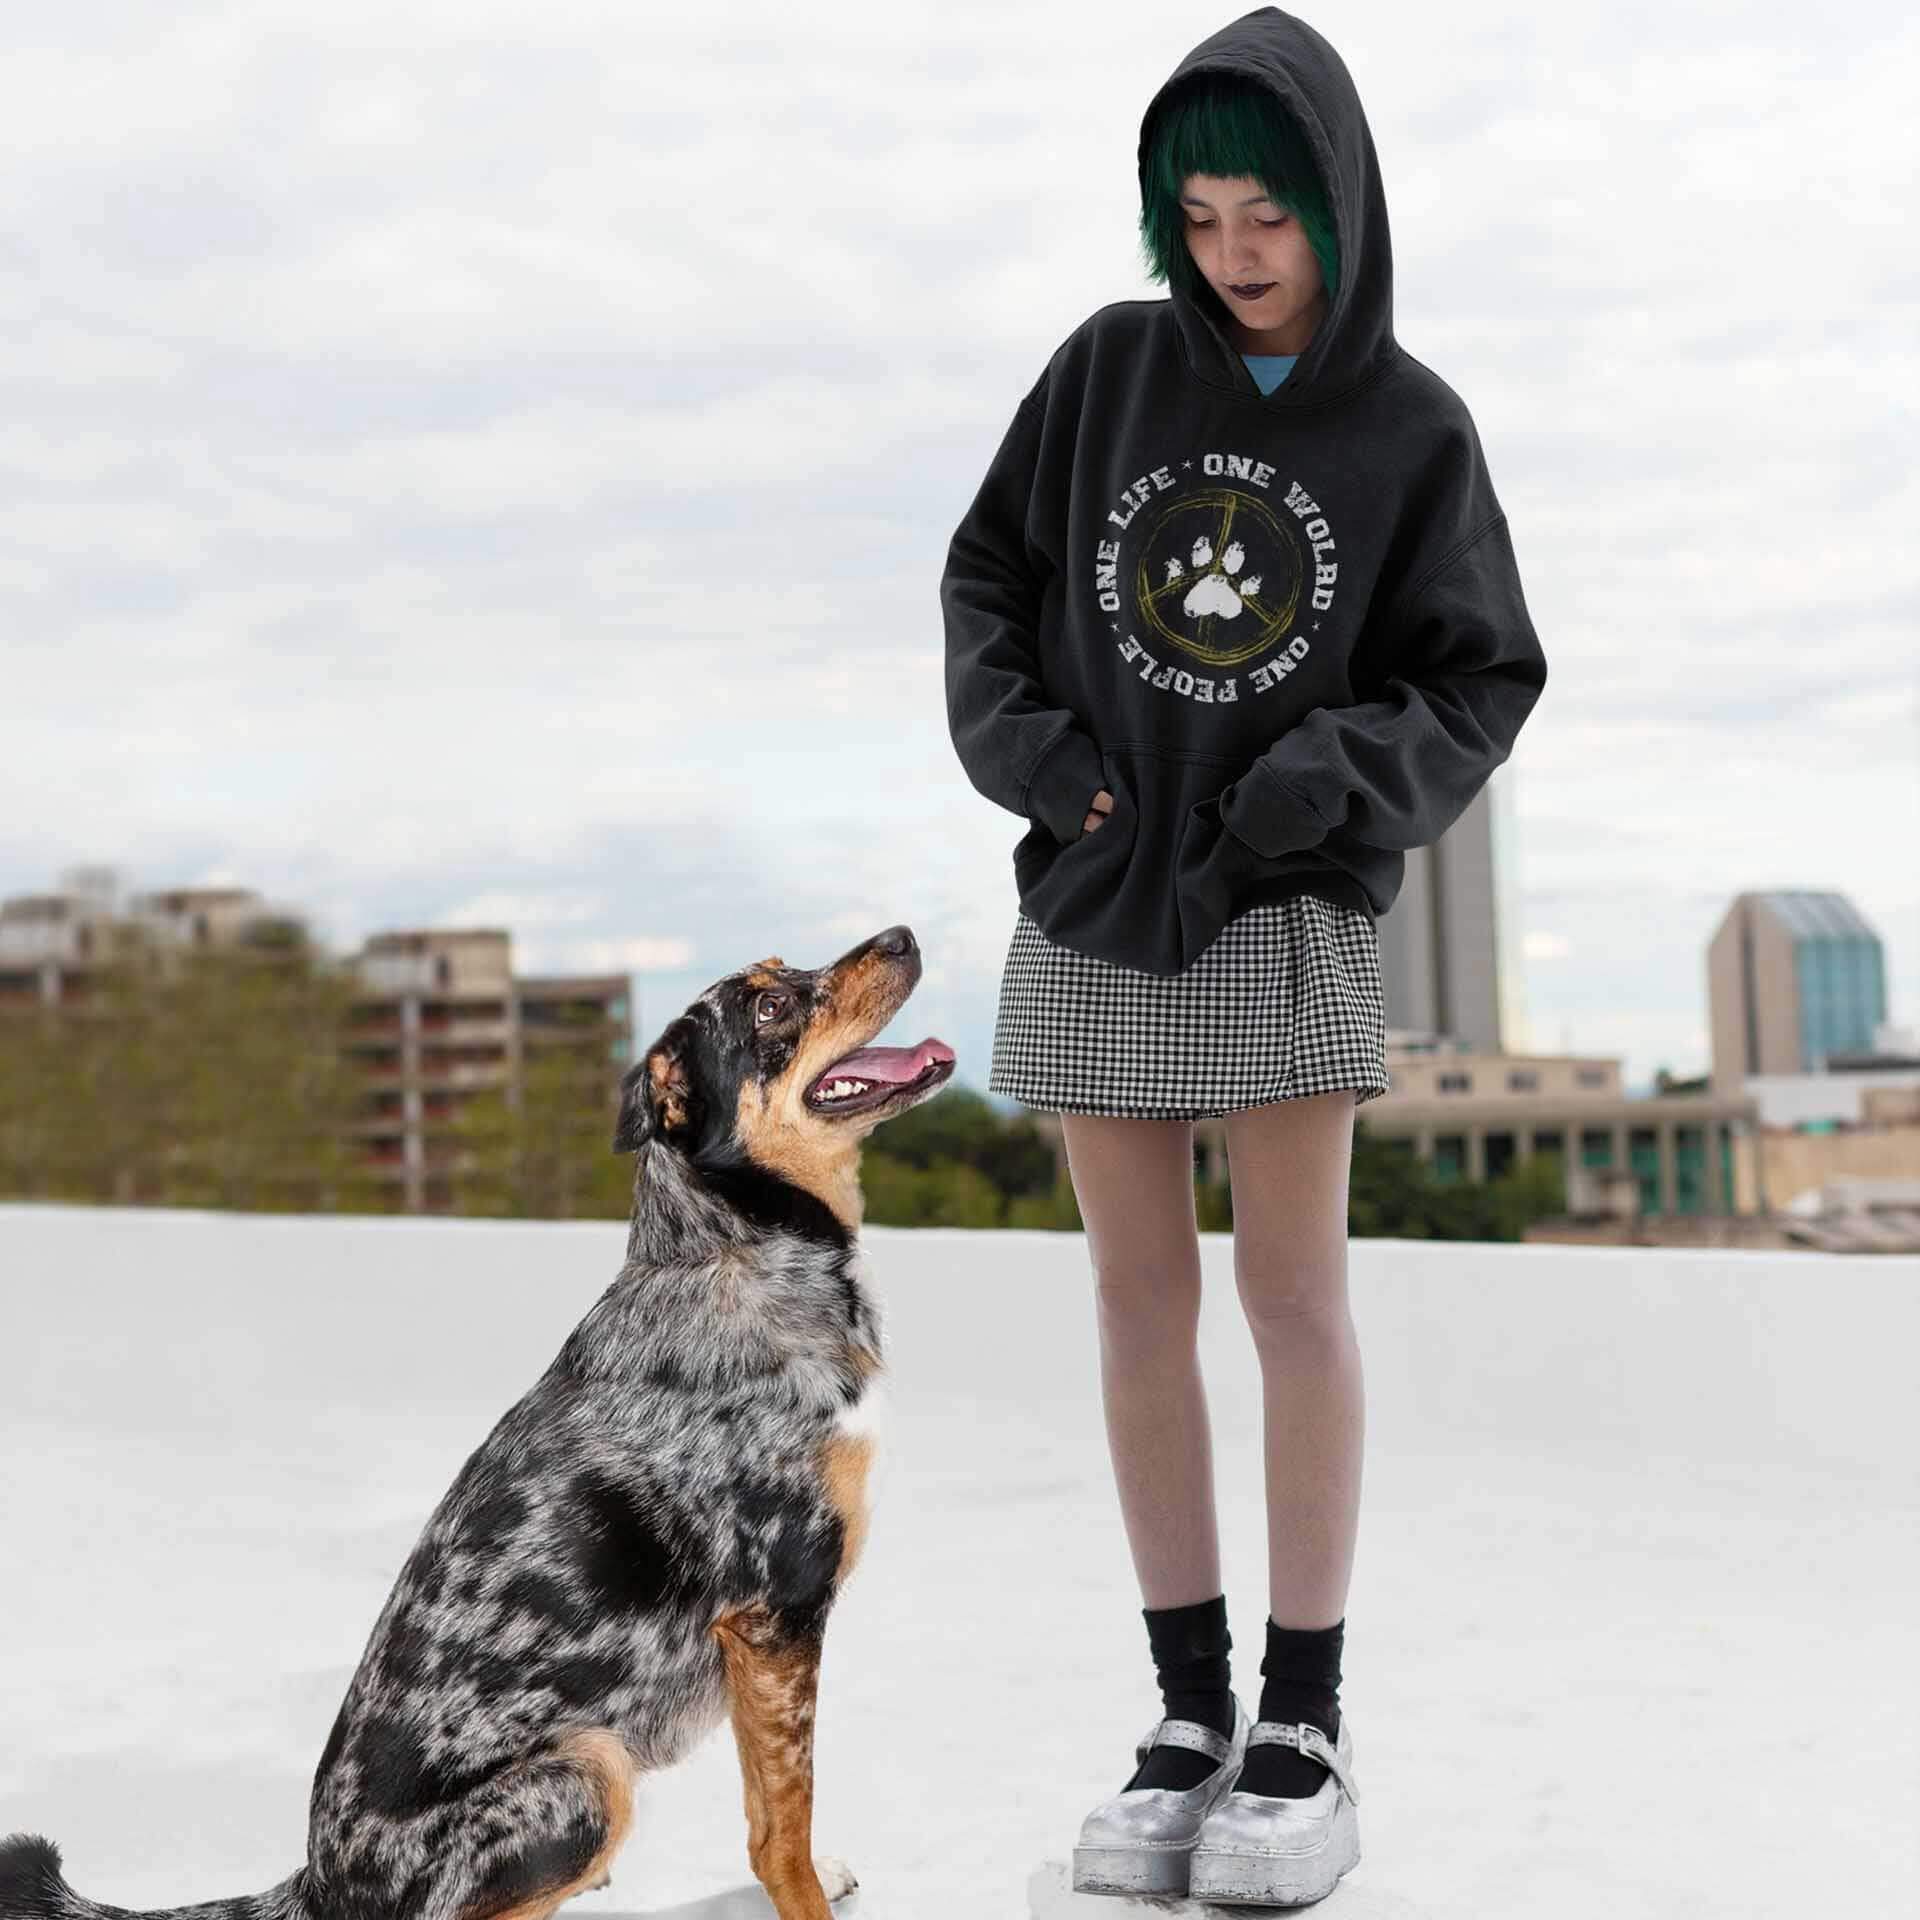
x,y
184,1077
1392,1193
958,1124
1057,1210
953,1161
949,1193
1213,1206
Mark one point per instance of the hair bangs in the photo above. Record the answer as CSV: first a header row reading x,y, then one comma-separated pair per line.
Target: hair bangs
x,y
1230,127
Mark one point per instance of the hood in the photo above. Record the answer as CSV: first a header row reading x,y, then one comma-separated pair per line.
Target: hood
x,y
1311,81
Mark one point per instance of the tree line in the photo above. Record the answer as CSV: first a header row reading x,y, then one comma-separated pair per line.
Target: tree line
x,y
236,1077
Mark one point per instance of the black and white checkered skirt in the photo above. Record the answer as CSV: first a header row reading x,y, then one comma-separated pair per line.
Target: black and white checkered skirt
x,y
1285,1002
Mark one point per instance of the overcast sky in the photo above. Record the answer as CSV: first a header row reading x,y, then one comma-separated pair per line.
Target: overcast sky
x,y
492,463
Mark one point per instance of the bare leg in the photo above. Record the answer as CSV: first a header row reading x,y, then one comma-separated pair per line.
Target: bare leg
x,y
1134,1182
1290,1161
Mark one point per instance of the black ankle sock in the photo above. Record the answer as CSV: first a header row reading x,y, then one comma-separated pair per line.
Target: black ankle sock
x,y
1302,1682
1190,1646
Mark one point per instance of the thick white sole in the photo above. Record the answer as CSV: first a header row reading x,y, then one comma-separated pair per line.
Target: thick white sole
x,y
1278,1879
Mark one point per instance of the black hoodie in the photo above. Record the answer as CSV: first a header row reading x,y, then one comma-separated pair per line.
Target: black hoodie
x,y
1284,631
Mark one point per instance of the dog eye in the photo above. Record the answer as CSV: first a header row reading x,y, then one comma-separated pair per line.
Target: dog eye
x,y
769,1005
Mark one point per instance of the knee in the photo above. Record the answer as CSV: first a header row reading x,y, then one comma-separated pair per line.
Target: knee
x,y
1141,1305
1298,1308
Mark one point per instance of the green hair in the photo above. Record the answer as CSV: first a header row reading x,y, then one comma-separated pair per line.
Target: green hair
x,y
1229,126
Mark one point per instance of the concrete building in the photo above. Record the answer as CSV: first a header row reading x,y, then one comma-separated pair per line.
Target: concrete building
x,y
52,943
1796,985
1472,1116
439,1016
1844,1096
1794,977
1448,945
442,1019
43,935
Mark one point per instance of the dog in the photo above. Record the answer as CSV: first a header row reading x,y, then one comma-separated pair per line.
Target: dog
x,y
651,1539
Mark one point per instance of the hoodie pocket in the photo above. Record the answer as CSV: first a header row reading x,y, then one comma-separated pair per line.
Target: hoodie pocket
x,y
1060,885
1114,893
1211,871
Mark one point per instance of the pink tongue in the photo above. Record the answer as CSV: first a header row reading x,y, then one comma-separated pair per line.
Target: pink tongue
x,y
889,1063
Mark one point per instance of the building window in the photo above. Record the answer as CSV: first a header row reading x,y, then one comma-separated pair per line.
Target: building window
x,y
1523,1080
1596,1147
1499,1154
1449,1156
1456,1083
1590,1076
1690,1170
1643,1155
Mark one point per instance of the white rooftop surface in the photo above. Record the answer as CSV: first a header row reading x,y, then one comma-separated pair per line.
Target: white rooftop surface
x,y
1632,1628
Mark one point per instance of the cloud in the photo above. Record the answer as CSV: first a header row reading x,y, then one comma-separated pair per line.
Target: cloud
x,y
455,454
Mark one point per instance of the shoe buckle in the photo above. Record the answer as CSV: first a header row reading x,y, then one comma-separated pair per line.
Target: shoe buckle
x,y
1328,1755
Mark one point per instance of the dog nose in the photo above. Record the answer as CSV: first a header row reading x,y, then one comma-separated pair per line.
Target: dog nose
x,y
896,941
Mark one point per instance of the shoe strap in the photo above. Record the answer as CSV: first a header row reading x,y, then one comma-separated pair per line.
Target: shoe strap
x,y
1309,1740
1186,1733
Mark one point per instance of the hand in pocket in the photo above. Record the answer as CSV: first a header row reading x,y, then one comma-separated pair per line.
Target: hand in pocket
x,y
1097,813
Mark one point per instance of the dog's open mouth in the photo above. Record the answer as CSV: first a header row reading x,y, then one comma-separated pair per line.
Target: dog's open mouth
x,y
871,1076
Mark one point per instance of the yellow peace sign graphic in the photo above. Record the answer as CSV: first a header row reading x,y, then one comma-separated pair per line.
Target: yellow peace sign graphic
x,y
1219,577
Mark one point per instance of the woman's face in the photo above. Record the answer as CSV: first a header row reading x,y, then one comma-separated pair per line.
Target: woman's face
x,y
1256,257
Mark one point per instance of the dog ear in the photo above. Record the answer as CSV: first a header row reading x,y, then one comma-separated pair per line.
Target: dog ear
x,y
656,1095
635,1122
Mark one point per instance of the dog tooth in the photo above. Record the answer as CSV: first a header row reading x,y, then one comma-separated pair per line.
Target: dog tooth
x,y
839,1089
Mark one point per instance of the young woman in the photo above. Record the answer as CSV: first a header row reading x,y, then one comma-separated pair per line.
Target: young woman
x,y
1233,622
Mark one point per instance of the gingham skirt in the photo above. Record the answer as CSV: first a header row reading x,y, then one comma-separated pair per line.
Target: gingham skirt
x,y
1285,1002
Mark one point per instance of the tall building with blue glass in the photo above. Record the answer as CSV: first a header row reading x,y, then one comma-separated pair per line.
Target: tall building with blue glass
x,y
1794,979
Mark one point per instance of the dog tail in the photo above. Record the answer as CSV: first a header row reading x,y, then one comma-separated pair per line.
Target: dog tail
x,y
33,1888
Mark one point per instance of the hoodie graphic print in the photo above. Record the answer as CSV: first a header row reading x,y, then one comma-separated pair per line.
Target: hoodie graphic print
x,y
1285,631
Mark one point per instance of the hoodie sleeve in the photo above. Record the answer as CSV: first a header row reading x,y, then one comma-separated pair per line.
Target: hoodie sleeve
x,y
1398,771
1019,746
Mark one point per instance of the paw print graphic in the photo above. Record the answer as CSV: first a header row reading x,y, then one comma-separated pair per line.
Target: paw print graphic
x,y
1219,591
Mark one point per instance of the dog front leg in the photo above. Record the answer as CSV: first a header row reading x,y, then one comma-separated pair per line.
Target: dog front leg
x,y
773,1676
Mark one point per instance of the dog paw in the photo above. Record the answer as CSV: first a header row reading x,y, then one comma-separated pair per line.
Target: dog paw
x,y
836,1877
1218,591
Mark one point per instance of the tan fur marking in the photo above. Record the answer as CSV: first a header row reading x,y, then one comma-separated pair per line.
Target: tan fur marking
x,y
820,1158
667,1078
771,1685
816,1152
604,1756
848,1459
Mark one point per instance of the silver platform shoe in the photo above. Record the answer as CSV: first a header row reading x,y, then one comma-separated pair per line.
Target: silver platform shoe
x,y
1258,1850
1139,1841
